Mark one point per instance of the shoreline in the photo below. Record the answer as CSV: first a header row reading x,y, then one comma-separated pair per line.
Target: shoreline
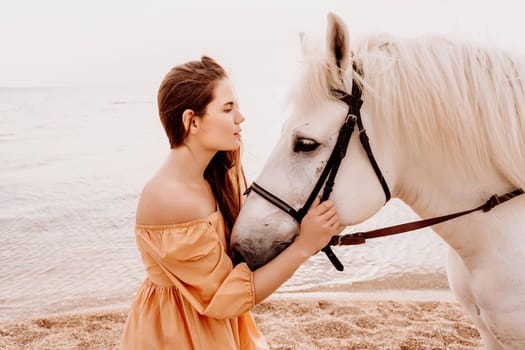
x,y
384,319
400,295
411,286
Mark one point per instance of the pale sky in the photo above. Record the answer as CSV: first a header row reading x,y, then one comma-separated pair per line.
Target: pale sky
x,y
98,42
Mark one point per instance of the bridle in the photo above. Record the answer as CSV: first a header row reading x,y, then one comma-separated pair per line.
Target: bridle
x,y
327,179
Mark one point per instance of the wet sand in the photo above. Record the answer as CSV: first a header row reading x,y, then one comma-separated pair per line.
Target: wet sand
x,y
322,320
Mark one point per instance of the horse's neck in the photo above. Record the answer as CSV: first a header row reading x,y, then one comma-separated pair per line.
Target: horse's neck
x,y
433,193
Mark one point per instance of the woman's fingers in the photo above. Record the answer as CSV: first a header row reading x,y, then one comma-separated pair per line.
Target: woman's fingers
x,y
316,203
319,225
321,208
329,213
325,214
333,221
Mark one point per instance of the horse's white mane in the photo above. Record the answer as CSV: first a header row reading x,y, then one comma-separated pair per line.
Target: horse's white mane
x,y
458,101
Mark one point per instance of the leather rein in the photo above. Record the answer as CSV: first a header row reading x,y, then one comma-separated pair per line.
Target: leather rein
x,y
327,178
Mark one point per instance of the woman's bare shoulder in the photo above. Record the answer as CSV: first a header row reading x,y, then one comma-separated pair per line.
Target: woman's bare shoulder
x,y
166,203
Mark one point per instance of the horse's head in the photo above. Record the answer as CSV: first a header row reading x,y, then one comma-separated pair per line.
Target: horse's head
x,y
262,230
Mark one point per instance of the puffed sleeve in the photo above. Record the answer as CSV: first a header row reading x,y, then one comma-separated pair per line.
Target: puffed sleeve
x,y
194,260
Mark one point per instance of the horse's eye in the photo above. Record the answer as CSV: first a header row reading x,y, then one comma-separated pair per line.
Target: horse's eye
x,y
305,145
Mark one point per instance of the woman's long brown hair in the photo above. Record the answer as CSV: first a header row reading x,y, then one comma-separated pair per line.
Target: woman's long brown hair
x,y
228,182
190,86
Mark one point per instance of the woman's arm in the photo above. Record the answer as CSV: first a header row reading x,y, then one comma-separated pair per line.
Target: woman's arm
x,y
317,227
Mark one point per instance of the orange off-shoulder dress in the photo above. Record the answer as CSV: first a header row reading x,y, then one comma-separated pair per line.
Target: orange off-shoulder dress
x,y
193,297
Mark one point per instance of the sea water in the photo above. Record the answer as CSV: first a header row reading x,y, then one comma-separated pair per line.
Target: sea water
x,y
72,164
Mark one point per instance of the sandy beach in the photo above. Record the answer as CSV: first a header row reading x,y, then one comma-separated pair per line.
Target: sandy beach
x,y
303,321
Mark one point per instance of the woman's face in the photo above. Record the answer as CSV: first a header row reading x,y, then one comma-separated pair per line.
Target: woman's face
x,y
220,126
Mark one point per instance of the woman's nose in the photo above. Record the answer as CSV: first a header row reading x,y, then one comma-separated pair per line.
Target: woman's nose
x,y
239,117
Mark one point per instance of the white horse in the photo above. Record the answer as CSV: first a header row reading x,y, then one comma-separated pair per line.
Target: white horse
x,y
446,123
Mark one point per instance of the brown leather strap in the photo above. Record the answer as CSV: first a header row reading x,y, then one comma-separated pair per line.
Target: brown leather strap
x,y
361,237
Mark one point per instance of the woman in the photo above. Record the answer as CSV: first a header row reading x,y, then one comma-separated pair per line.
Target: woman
x,y
193,296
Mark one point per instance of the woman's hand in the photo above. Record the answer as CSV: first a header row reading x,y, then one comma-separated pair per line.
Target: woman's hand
x,y
318,226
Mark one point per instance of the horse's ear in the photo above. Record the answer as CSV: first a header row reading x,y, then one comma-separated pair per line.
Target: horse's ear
x,y
338,42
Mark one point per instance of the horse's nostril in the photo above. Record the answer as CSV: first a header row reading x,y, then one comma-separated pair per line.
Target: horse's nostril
x,y
237,257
